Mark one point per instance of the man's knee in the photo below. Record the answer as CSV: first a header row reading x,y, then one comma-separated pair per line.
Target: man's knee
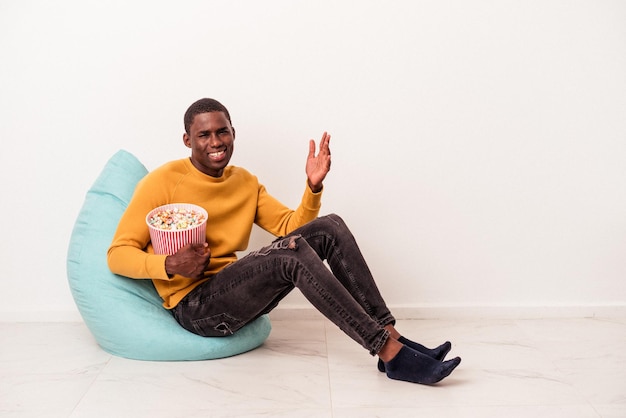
x,y
336,225
334,219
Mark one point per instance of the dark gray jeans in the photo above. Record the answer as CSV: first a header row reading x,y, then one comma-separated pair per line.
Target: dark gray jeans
x,y
346,294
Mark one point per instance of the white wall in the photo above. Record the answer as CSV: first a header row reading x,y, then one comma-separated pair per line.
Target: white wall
x,y
479,147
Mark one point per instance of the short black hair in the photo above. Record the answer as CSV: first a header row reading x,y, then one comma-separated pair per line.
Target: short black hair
x,y
204,106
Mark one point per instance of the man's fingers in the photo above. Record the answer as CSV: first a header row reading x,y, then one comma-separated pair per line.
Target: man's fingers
x,y
311,148
199,249
325,143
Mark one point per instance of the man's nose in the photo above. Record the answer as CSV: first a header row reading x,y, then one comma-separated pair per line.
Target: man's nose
x,y
214,140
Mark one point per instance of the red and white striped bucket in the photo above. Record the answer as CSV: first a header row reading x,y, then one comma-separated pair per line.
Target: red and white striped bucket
x,y
168,241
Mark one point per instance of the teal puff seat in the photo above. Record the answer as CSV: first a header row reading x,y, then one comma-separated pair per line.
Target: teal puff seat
x,y
126,316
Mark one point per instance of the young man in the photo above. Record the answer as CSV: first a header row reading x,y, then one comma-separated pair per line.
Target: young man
x,y
211,293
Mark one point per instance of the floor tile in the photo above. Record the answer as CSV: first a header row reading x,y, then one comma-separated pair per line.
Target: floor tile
x,y
570,367
560,411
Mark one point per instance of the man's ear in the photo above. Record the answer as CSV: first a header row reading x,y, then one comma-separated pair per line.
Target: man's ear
x,y
231,127
186,140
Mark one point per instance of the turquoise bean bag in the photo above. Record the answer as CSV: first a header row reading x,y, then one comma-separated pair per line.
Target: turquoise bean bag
x,y
126,316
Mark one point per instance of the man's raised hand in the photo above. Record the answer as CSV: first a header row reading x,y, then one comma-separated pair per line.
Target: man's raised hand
x,y
317,166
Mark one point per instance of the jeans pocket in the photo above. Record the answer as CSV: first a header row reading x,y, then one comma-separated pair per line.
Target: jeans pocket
x,y
219,325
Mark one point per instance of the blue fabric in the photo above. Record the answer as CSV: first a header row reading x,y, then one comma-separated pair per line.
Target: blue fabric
x,y
126,316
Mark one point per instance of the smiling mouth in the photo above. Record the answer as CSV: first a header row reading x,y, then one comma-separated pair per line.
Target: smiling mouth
x,y
217,155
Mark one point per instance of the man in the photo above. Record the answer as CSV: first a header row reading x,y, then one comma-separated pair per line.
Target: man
x,y
211,293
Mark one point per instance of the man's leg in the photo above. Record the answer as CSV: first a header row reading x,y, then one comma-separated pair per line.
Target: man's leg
x,y
255,284
333,241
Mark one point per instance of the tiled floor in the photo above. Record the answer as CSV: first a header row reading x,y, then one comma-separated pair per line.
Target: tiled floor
x,y
511,368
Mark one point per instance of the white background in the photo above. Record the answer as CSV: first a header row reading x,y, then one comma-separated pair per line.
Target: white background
x,y
479,147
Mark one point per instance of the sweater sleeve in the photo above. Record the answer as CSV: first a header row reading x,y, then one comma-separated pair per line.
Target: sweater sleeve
x,y
278,219
130,254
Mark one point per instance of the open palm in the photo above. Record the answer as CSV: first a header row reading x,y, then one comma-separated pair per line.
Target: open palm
x,y
317,166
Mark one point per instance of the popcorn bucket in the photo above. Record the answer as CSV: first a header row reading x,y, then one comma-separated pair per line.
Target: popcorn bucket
x,y
175,225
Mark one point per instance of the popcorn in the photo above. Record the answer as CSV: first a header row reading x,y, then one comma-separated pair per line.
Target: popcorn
x,y
176,219
174,225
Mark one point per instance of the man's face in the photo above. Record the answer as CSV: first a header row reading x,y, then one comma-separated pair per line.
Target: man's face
x,y
211,139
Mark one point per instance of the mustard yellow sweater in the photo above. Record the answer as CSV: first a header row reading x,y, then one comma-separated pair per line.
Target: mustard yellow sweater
x,y
234,202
